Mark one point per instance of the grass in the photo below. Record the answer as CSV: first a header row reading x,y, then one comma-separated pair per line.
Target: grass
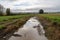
x,y
52,17
52,30
6,18
10,18
1,27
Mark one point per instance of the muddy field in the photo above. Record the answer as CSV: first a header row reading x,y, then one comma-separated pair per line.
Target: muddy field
x,y
51,26
7,28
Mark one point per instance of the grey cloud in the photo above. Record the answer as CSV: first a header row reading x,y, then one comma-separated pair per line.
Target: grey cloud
x,y
55,3
8,0
23,4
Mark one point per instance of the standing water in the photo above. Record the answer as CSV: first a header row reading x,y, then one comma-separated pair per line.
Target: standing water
x,y
31,30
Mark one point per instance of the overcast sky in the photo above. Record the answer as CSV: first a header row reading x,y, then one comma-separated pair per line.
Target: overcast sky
x,y
28,4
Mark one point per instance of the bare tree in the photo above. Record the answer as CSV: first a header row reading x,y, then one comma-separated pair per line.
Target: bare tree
x,y
1,9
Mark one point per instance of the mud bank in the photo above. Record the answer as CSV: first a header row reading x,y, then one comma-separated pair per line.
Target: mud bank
x,y
52,31
11,27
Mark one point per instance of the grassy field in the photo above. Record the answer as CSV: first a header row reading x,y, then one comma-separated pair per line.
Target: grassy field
x,y
4,19
51,23
52,17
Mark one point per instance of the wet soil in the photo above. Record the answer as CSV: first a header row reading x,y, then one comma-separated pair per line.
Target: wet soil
x,y
52,29
11,27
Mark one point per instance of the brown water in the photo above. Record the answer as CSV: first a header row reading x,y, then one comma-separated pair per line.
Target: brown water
x,y
28,32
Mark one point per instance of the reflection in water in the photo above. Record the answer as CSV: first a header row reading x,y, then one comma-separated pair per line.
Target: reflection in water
x,y
30,31
17,35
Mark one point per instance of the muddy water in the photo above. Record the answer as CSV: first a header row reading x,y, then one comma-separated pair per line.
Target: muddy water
x,y
32,30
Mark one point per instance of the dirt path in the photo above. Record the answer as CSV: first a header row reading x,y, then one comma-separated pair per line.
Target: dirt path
x,y
12,27
32,33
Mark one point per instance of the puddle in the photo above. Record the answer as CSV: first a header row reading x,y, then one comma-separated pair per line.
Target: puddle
x,y
32,30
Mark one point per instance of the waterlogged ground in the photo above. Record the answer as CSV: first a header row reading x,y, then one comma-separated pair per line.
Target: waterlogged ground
x,y
50,22
28,32
7,28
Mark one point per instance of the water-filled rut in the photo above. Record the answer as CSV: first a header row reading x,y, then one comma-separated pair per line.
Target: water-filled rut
x,y
31,30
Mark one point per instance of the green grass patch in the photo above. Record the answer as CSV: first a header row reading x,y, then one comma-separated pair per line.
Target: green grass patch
x,y
6,18
52,17
1,27
13,17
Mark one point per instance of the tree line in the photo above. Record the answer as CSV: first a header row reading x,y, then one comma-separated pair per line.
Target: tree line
x,y
8,12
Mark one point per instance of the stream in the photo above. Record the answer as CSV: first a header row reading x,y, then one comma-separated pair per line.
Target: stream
x,y
31,30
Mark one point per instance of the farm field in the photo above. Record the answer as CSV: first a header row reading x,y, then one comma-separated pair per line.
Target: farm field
x,y
51,23
7,19
29,20
52,17
10,24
